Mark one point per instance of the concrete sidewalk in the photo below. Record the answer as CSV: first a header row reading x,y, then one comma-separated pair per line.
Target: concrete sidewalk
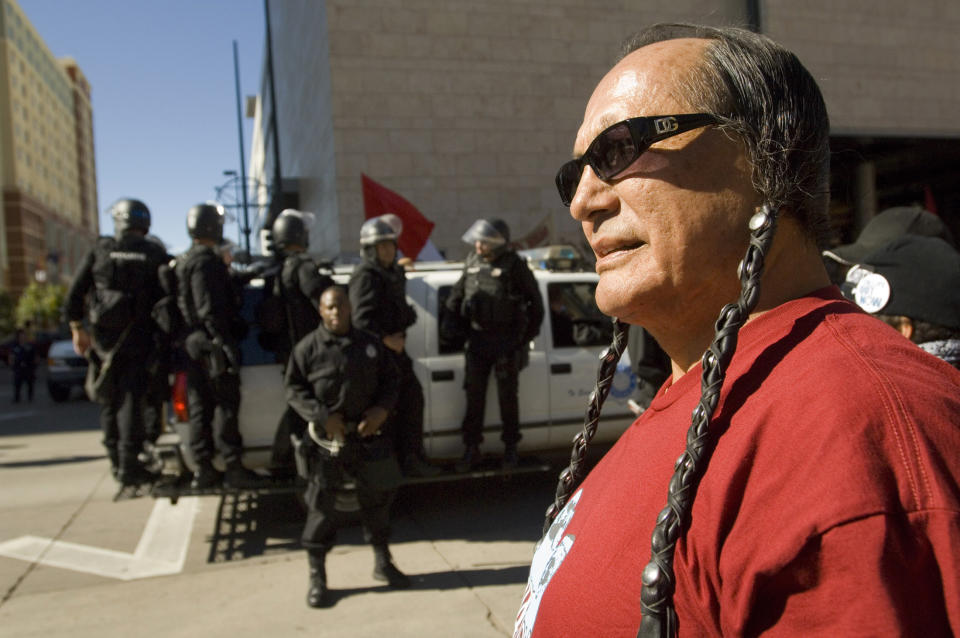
x,y
466,546
461,588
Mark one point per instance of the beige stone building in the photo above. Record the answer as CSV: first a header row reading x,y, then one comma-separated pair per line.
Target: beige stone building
x,y
467,107
47,172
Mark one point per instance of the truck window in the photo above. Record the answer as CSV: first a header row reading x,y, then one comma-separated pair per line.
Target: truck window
x,y
575,320
252,353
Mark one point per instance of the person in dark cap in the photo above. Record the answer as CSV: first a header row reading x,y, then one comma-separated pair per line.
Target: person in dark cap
x,y
913,284
879,231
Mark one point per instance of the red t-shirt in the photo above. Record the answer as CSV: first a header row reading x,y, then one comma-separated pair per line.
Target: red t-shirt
x,y
830,507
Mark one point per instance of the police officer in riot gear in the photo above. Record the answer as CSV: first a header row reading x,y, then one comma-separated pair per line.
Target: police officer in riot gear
x,y
498,305
210,307
299,285
115,288
343,382
378,297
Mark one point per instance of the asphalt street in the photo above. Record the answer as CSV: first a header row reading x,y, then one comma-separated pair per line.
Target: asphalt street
x,y
75,563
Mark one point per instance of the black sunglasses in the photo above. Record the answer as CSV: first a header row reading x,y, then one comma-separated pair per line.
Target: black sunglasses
x,y
619,146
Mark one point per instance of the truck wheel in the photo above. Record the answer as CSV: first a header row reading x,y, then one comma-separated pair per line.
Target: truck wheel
x,y
58,393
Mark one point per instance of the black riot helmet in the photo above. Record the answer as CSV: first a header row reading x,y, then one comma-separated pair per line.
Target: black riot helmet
x,y
289,229
205,221
130,214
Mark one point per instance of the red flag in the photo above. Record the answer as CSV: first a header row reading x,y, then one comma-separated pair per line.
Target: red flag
x,y
380,200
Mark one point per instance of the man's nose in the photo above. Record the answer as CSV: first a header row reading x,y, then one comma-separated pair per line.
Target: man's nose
x,y
592,195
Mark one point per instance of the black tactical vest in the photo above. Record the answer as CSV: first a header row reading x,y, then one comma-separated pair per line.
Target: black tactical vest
x,y
489,302
125,280
301,312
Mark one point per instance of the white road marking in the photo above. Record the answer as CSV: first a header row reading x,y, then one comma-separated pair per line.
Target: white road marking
x,y
162,549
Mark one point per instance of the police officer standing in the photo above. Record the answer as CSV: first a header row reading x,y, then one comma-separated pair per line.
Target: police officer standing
x,y
210,307
116,287
299,285
497,301
343,382
378,297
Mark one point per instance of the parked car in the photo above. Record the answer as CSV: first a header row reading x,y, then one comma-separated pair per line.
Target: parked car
x,y
554,387
66,370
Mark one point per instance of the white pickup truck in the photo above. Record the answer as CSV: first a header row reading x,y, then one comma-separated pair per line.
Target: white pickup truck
x,y
554,387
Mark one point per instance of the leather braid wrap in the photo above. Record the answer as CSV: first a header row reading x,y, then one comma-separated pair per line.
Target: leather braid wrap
x,y
656,598
571,476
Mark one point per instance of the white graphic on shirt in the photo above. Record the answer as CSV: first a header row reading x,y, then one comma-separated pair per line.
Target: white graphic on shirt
x,y
547,557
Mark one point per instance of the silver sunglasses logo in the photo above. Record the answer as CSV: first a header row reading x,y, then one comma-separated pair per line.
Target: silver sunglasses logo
x,y
665,125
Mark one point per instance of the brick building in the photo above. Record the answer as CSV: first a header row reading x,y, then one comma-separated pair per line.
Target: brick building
x,y
47,172
467,108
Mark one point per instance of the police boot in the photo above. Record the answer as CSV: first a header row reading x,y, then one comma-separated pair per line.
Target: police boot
x,y
510,457
114,457
384,569
317,595
135,475
205,477
471,458
238,477
131,472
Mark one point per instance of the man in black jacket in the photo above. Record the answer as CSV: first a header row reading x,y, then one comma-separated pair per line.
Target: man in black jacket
x,y
210,307
498,302
115,289
344,383
299,285
379,301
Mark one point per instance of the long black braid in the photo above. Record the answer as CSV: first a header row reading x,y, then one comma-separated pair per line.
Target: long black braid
x,y
571,476
656,598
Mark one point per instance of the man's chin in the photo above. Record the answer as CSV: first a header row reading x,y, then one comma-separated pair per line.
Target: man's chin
x,y
615,299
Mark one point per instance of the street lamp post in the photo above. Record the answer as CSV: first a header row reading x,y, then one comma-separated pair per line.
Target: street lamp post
x,y
232,195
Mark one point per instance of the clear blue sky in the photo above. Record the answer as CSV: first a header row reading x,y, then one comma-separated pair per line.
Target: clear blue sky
x,y
164,100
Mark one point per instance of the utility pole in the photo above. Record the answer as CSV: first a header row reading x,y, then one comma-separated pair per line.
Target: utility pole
x,y
243,169
277,189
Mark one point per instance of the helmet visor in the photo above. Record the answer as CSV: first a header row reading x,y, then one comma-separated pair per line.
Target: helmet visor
x,y
484,231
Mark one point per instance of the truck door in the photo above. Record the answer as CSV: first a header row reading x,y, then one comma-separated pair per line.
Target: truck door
x,y
577,332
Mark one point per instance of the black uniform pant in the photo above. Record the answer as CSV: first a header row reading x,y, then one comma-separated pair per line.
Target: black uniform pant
x,y
479,362
408,412
19,380
214,406
323,517
121,415
158,391
281,456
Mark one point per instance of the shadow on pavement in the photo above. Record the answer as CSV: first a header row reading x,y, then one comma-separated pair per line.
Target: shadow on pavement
x,y
250,524
488,509
445,581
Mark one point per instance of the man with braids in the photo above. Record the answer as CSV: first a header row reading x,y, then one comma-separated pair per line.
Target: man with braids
x,y
818,492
